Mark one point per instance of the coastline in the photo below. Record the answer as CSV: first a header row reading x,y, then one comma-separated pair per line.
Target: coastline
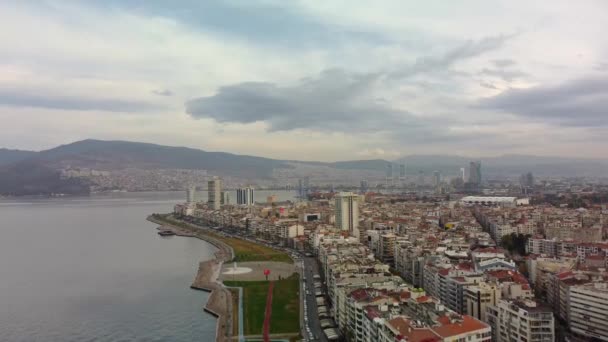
x,y
220,301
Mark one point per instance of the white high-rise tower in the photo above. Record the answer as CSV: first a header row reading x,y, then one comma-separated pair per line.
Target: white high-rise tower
x,y
214,189
347,213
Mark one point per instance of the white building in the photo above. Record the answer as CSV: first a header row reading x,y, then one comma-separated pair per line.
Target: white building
x,y
587,310
347,212
478,297
244,196
489,200
214,189
521,321
190,192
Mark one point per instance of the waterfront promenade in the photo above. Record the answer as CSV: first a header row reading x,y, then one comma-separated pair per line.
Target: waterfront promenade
x,y
207,279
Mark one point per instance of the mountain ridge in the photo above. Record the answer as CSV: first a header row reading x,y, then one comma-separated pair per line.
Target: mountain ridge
x,y
43,168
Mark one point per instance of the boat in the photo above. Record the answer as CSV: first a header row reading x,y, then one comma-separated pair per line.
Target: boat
x,y
166,233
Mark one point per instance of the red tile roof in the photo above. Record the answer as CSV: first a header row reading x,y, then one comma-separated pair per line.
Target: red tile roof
x,y
412,333
467,325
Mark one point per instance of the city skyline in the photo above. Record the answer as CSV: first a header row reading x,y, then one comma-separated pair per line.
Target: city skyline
x,y
330,81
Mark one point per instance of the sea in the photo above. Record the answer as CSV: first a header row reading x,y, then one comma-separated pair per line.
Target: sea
x,y
93,269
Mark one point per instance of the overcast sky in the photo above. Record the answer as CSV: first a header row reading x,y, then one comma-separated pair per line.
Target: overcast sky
x,y
314,80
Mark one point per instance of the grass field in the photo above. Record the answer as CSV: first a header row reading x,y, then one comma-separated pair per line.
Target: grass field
x,y
285,305
243,250
247,251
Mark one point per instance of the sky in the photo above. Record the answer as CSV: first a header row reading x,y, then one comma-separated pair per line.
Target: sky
x,y
309,80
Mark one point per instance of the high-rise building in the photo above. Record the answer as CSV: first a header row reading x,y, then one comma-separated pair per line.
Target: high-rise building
x,y
190,192
364,186
389,174
463,174
401,173
225,198
347,212
420,178
587,310
475,173
244,196
303,187
436,178
521,320
214,193
527,180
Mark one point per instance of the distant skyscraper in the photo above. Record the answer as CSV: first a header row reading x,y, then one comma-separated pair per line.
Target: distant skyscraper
x,y
475,173
303,187
402,172
389,174
420,177
436,178
364,186
190,192
244,196
347,213
527,180
225,197
214,190
463,174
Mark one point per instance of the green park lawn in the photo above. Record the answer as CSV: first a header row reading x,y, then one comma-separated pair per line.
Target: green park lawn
x,y
243,250
285,305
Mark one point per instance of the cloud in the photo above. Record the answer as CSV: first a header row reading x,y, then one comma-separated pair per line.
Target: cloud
x,y
263,22
582,102
162,92
335,100
488,85
602,66
502,63
466,50
505,74
16,98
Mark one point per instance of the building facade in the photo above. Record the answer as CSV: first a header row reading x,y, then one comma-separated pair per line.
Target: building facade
x,y
245,196
347,213
214,196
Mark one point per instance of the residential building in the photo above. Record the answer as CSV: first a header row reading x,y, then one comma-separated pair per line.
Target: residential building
x,y
517,320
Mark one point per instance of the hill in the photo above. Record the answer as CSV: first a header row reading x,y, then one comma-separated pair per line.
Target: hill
x,y
26,172
11,156
115,155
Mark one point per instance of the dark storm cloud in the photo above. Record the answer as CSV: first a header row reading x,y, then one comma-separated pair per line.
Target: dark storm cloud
x,y
582,102
24,99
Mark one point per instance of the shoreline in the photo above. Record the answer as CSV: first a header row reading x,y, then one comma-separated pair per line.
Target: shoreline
x,y
219,303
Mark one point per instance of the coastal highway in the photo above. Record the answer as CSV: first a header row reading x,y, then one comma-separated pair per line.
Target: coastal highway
x,y
310,269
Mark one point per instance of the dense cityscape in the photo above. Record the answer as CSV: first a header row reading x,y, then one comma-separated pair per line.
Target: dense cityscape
x,y
444,267
304,171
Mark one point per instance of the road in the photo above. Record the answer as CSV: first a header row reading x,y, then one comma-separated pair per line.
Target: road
x,y
310,269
